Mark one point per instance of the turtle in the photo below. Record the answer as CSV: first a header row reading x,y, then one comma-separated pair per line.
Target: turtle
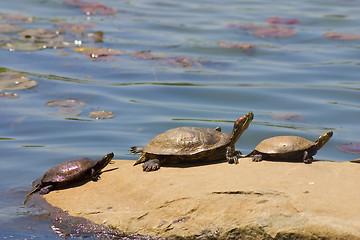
x,y
192,144
71,172
288,148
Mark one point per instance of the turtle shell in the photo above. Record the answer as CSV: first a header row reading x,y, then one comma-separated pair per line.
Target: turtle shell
x,y
187,141
69,171
284,145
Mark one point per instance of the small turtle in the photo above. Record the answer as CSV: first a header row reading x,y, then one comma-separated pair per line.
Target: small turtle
x,y
191,144
288,148
71,172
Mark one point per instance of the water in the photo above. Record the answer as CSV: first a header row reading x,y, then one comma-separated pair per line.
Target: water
x,y
308,76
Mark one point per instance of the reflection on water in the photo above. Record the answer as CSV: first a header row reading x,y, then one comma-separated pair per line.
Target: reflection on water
x,y
156,66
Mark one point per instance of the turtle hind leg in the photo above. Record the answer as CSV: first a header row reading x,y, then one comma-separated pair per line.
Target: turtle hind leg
x,y
307,158
46,189
151,165
136,149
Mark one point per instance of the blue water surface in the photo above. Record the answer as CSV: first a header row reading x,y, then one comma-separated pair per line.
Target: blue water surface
x,y
302,85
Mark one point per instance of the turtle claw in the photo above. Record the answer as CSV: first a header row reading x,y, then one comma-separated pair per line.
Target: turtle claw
x,y
307,158
257,158
232,155
46,190
136,149
151,165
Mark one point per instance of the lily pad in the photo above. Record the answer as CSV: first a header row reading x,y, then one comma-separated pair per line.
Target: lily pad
x,y
147,55
185,61
236,45
38,33
350,147
101,114
96,36
342,36
98,10
21,45
279,20
15,81
15,17
288,116
65,103
68,111
274,32
8,28
75,28
98,53
8,95
78,3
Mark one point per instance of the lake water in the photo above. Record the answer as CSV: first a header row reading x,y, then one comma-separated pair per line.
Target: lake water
x,y
304,84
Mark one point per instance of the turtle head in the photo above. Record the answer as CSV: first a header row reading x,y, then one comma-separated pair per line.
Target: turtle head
x,y
323,139
104,161
240,126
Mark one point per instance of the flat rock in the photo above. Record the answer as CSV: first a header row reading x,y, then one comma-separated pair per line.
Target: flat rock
x,y
250,200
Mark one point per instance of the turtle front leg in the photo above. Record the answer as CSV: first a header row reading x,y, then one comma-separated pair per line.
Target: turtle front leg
x,y
46,189
151,165
232,155
307,158
95,175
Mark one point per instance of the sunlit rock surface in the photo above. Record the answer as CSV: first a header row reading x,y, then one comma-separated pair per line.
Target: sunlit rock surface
x,y
247,201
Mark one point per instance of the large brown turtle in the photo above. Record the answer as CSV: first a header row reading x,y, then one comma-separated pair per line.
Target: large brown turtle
x,y
71,172
289,148
192,144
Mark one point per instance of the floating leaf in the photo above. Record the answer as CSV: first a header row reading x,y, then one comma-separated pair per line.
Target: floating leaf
x,y
8,95
78,25
342,36
236,45
65,103
68,111
101,114
7,28
96,36
98,53
350,147
44,38
21,45
65,27
147,55
185,61
279,20
78,3
15,17
15,81
274,32
38,33
98,9
288,116
57,42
